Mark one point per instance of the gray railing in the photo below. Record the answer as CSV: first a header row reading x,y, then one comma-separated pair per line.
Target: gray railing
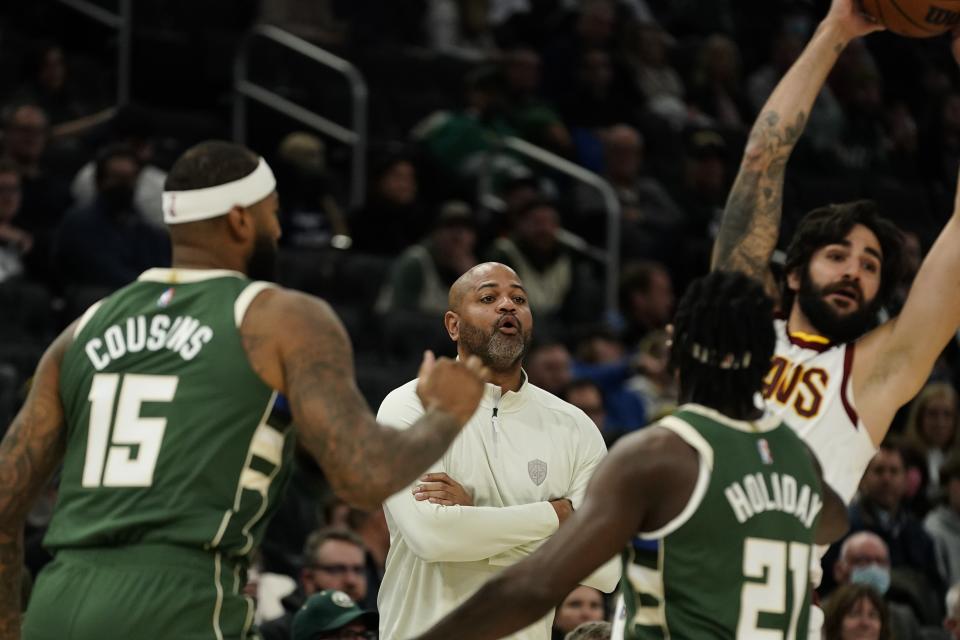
x,y
609,256
123,23
355,136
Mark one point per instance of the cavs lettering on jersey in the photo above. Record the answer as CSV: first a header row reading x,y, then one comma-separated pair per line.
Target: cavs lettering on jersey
x,y
735,562
809,387
172,437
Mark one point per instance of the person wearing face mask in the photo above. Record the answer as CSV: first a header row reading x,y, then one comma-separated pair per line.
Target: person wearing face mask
x,y
108,243
865,560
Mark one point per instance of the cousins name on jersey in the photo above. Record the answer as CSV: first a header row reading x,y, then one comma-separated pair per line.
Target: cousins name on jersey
x,y
182,335
758,493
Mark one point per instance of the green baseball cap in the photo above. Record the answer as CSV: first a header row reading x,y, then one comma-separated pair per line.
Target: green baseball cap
x,y
330,610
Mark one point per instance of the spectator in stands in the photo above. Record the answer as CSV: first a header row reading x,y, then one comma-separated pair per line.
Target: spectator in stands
x,y
550,272
716,84
393,217
132,129
309,214
647,54
856,612
458,142
858,86
602,358
423,274
591,631
864,560
654,381
583,604
650,220
107,244
592,26
549,366
586,395
332,614
531,117
45,197
646,299
333,559
932,430
879,509
47,83
943,523
460,28
14,241
598,96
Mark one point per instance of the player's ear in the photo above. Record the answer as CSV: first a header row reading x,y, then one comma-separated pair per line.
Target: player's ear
x,y
451,321
240,223
793,279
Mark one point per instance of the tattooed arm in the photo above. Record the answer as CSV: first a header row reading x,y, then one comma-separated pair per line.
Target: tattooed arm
x,y
29,453
298,346
751,218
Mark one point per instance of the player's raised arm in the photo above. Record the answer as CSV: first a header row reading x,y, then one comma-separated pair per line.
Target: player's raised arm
x,y
623,497
751,219
298,346
29,454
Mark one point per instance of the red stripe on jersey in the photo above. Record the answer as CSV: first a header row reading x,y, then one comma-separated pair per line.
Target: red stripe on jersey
x,y
847,368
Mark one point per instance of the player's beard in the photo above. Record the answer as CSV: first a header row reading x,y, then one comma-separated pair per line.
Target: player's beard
x,y
497,350
262,263
836,327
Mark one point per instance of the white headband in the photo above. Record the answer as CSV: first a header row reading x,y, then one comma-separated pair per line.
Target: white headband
x,y
199,204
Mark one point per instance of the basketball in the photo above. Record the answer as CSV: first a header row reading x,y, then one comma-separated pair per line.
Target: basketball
x,y
915,18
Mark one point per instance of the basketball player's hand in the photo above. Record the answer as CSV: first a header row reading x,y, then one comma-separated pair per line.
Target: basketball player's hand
x,y
848,15
563,507
451,386
439,488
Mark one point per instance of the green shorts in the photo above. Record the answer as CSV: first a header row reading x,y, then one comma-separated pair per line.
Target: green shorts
x,y
160,592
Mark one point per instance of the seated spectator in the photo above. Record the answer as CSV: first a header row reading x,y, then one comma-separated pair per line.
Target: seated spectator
x,y
549,271
879,508
597,97
531,117
586,395
45,197
932,431
424,273
602,358
309,214
392,218
591,631
646,299
48,83
864,560
332,614
660,84
583,604
856,612
650,220
108,243
459,28
333,559
129,128
14,241
943,523
655,381
715,85
548,366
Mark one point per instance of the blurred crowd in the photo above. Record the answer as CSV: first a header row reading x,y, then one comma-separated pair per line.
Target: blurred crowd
x,y
655,96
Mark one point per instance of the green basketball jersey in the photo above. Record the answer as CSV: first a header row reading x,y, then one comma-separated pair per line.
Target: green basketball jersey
x,y
172,438
735,562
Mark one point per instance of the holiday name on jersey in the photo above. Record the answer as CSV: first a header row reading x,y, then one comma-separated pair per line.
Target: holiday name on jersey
x,y
182,335
758,493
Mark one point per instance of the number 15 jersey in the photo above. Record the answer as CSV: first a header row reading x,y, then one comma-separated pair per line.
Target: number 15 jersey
x,y
171,436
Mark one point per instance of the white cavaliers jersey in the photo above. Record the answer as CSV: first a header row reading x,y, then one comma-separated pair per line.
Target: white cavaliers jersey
x,y
809,387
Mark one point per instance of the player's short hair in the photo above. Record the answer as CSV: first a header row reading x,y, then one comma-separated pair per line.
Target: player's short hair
x,y
723,339
831,224
209,164
320,537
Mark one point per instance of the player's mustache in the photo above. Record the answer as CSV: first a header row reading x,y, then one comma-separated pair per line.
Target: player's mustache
x,y
846,286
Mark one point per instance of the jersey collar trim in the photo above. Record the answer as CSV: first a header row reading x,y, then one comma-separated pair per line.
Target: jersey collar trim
x,y
184,276
808,340
768,422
